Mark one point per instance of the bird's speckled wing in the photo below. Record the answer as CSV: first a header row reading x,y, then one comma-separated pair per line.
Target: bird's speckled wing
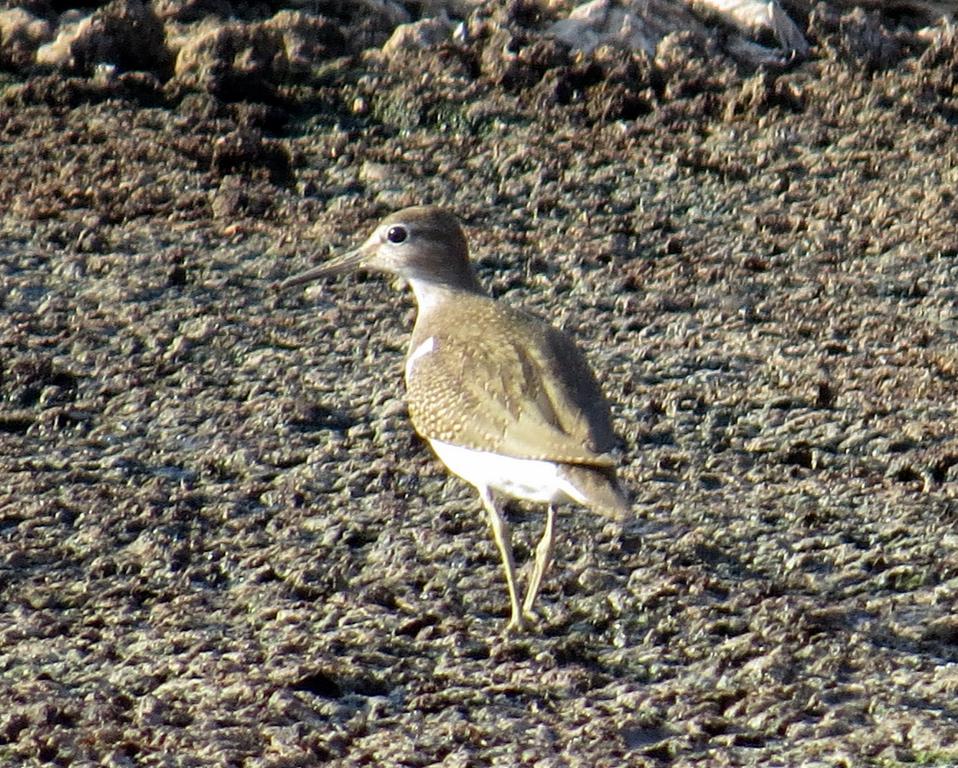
x,y
506,382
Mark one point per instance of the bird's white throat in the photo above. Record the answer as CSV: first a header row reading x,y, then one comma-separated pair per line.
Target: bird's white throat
x,y
428,294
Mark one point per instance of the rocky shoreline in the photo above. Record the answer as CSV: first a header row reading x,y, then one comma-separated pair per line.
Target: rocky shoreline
x,y
222,543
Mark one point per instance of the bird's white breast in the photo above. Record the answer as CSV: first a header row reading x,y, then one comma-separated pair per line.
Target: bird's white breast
x,y
418,353
528,479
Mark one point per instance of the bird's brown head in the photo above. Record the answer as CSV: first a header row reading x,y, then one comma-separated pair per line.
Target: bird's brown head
x,y
419,244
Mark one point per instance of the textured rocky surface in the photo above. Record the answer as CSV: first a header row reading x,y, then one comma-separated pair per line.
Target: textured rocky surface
x,y
220,541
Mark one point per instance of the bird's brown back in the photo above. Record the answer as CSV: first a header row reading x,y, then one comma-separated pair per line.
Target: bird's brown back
x,y
500,380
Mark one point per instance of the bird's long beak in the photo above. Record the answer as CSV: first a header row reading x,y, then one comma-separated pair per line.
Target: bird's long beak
x,y
346,262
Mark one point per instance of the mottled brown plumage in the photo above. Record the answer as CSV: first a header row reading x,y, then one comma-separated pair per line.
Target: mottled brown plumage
x,y
507,401
500,380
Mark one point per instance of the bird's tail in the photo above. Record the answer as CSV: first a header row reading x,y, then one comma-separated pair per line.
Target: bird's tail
x,y
597,489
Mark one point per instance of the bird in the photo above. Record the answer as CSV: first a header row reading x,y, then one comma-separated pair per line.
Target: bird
x,y
507,402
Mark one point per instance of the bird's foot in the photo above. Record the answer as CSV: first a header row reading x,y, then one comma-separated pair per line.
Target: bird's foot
x,y
523,622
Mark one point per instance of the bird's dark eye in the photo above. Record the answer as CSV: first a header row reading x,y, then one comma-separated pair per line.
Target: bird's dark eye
x,y
397,235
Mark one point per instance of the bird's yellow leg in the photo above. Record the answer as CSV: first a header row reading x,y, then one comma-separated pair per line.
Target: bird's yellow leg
x,y
503,536
544,552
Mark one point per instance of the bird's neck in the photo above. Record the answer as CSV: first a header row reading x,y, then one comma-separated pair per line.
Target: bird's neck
x,y
430,294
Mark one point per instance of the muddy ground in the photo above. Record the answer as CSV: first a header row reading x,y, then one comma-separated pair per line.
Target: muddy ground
x,y
221,543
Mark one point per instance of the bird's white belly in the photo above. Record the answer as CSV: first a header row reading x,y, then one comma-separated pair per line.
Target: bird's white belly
x,y
528,479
